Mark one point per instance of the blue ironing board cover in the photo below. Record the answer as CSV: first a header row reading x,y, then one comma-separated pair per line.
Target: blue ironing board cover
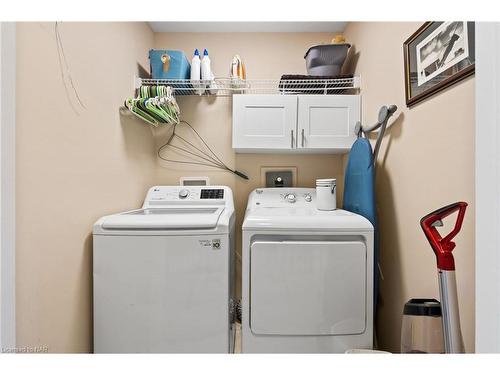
x,y
359,193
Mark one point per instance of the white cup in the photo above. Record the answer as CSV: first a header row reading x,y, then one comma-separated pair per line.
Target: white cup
x,y
326,194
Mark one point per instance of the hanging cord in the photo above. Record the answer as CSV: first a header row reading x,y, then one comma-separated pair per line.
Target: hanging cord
x,y
65,72
203,158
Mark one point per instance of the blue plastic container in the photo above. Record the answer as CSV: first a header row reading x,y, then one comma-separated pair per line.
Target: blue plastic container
x,y
169,64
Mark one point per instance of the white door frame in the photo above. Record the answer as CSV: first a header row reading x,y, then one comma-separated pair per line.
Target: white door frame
x,y
487,187
7,185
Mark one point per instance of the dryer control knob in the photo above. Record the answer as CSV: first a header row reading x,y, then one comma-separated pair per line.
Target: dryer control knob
x,y
184,193
308,197
290,198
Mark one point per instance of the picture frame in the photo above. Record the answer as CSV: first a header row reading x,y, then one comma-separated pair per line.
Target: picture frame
x,y
436,56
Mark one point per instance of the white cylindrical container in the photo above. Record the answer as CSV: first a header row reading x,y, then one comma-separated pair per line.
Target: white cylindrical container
x,y
326,194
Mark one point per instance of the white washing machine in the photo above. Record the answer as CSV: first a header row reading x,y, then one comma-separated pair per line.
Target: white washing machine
x,y
307,275
163,274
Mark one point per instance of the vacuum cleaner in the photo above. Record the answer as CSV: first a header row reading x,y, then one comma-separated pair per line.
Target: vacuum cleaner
x,y
443,247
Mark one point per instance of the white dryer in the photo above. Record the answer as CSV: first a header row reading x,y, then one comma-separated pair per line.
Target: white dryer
x,y
307,275
163,274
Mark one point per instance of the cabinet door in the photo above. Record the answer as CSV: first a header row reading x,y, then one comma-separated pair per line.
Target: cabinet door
x,y
327,121
264,122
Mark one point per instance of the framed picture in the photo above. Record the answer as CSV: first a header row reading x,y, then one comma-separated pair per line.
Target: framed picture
x,y
436,56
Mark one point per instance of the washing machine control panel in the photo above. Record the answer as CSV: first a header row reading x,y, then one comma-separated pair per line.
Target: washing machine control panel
x,y
212,194
164,195
282,197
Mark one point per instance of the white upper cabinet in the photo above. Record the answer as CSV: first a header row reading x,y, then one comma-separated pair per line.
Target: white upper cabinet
x,y
264,122
327,121
294,123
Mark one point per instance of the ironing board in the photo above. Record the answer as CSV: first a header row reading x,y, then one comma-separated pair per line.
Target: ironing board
x,y
359,194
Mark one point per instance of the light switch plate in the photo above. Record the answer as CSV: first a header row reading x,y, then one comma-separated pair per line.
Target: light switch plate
x,y
268,176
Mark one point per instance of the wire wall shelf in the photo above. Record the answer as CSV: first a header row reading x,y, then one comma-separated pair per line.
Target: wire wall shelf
x,y
230,86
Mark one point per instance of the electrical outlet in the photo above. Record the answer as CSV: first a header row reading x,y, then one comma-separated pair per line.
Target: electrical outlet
x,y
278,176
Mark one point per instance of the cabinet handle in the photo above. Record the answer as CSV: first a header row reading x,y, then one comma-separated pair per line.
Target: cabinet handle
x,y
291,136
302,137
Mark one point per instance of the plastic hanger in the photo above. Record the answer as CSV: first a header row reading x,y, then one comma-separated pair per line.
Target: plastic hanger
x,y
155,105
131,105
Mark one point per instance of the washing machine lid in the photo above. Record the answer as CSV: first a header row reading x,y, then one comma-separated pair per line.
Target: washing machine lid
x,y
164,218
296,218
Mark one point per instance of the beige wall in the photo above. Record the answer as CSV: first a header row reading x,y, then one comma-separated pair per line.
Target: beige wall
x,y
426,161
72,169
266,56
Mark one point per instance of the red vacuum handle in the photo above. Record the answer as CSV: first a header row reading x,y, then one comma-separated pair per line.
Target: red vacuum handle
x,y
443,246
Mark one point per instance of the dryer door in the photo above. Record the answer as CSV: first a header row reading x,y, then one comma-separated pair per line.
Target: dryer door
x,y
308,287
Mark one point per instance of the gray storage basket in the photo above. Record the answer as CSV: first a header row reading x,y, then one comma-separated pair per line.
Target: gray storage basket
x,y
326,59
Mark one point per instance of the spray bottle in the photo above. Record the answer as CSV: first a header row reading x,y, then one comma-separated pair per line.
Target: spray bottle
x,y
206,73
196,71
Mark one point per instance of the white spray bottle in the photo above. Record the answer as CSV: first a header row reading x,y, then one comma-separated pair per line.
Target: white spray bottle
x,y
206,72
196,71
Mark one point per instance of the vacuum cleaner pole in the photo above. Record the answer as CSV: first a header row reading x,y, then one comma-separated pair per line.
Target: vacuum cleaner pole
x,y
453,342
443,247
